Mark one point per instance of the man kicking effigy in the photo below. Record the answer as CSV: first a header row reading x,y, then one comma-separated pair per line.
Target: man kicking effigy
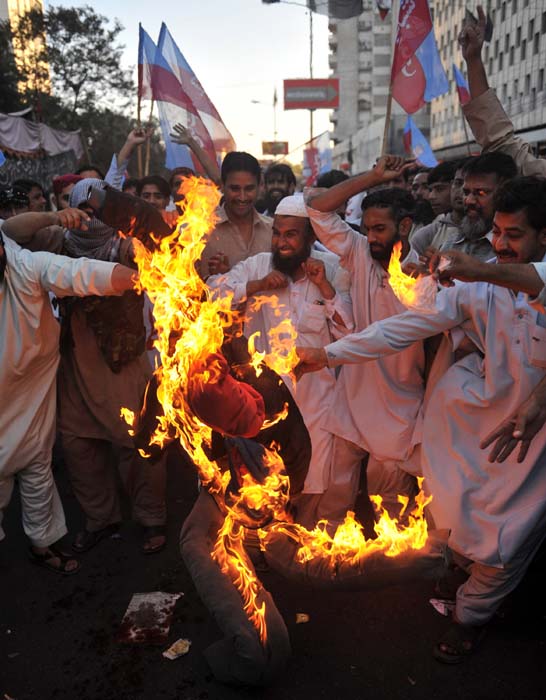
x,y
497,523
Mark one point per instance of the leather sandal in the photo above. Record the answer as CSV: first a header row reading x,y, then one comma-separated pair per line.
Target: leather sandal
x,y
55,560
459,642
86,539
154,539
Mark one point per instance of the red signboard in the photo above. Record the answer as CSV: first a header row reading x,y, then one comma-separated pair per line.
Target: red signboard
x,y
275,148
309,93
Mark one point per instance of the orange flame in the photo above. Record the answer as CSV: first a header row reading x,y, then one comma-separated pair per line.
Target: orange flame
x,y
190,325
349,545
402,285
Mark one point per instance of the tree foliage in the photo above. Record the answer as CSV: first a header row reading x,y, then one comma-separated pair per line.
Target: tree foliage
x,y
71,74
79,47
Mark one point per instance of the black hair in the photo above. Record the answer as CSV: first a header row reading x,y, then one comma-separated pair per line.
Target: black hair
x,y
186,172
444,172
27,185
285,171
331,178
494,163
128,183
524,194
237,161
400,202
160,182
89,166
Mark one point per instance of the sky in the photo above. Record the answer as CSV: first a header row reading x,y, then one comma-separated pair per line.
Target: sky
x,y
240,50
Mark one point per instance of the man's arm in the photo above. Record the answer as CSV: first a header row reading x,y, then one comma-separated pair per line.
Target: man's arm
x,y
491,126
246,279
387,168
182,136
23,227
116,172
329,228
519,277
386,337
338,303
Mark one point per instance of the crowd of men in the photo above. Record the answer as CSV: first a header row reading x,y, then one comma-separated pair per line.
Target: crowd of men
x,y
383,390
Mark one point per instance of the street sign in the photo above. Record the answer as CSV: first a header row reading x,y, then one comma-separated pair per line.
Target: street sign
x,y
311,93
275,148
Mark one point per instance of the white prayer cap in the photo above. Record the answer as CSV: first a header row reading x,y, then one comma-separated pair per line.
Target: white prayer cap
x,y
292,206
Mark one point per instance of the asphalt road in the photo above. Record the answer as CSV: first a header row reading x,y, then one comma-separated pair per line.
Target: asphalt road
x,y
57,634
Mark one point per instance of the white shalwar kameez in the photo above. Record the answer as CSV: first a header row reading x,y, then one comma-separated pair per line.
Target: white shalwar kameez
x,y
376,407
29,356
312,317
496,512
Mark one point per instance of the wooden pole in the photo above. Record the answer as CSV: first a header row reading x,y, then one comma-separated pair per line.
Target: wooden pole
x,y
394,14
148,143
139,148
311,72
466,132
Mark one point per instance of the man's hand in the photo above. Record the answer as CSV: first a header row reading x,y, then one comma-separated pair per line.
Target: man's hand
x,y
170,217
123,278
520,427
138,136
390,167
273,280
316,272
472,36
181,135
72,218
219,264
453,264
311,360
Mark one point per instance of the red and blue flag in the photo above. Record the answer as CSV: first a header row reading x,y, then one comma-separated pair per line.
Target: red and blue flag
x,y
462,86
417,75
416,143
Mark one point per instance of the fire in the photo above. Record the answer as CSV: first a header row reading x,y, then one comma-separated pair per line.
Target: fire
x,y
266,501
402,285
190,324
417,293
349,545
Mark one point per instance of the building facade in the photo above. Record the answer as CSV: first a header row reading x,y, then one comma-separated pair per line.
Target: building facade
x,y
515,61
25,55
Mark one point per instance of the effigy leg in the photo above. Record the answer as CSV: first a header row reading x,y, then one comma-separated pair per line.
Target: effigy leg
x,y
239,658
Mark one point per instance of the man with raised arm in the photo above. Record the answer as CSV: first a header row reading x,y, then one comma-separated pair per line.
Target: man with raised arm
x,y
376,407
490,124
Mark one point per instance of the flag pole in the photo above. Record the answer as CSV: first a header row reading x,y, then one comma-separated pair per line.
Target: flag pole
x,y
139,149
395,10
148,143
465,131
310,68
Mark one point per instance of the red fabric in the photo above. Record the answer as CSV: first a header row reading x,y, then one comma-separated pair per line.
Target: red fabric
x,y
226,405
59,183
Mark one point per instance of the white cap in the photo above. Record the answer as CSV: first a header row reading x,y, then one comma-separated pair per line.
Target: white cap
x,y
292,206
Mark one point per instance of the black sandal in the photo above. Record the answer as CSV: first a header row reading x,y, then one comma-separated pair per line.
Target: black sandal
x,y
150,533
86,540
459,642
46,560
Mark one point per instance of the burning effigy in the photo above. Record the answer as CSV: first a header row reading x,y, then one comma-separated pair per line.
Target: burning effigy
x,y
231,412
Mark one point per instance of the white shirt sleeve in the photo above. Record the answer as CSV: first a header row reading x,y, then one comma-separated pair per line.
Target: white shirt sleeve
x,y
539,302
68,276
393,334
